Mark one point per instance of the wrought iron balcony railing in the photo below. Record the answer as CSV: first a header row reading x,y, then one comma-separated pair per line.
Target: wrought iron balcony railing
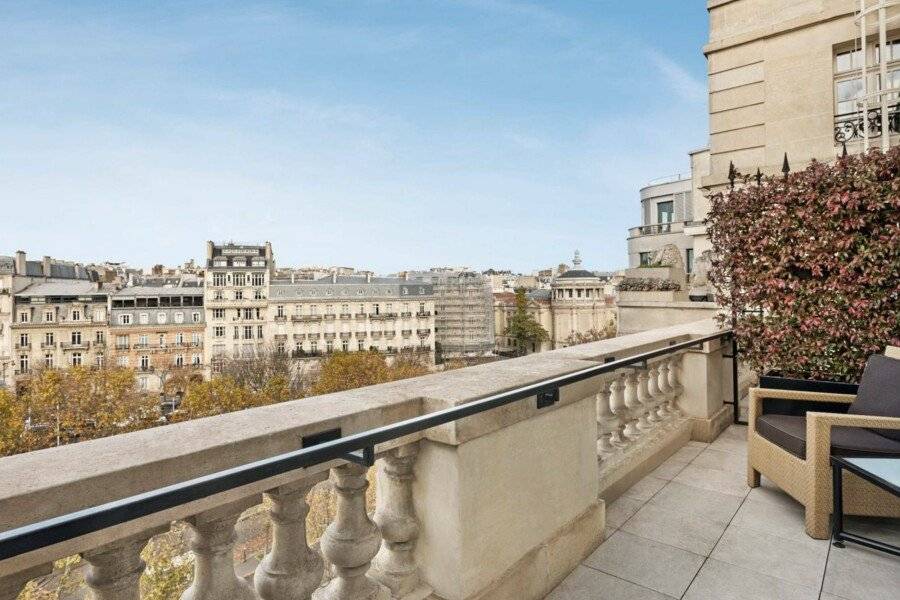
x,y
849,127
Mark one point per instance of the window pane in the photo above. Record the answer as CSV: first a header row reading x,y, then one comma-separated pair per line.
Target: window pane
x,y
846,92
846,61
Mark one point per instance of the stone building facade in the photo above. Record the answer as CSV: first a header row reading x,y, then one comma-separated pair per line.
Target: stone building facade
x,y
236,286
157,331
351,313
575,303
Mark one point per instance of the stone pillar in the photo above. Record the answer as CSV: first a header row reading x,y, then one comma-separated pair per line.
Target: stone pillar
x,y
648,418
395,564
704,391
291,570
617,403
12,585
634,407
212,541
659,399
351,541
116,568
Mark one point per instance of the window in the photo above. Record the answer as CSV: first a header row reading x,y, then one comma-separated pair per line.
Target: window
x,y
239,279
179,360
144,362
345,345
143,318
121,342
179,339
238,295
645,259
195,359
143,341
218,279
248,332
847,61
48,361
76,338
377,308
142,383
23,317
218,313
279,348
329,346
257,295
49,339
160,317
195,337
99,337
846,93
314,347
421,307
76,359
179,317
279,311
76,314
122,361
162,340
99,315
689,260
195,317
313,309
248,313
219,331
49,317
848,84
665,212
218,295
258,279
259,331
360,345
23,363
23,339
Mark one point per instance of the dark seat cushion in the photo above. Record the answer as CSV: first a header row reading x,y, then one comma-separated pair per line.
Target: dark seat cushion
x,y
879,392
789,432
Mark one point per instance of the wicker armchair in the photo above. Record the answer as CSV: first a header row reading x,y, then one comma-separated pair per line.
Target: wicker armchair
x,y
794,451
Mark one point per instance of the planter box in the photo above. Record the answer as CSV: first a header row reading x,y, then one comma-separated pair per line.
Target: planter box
x,y
651,295
774,380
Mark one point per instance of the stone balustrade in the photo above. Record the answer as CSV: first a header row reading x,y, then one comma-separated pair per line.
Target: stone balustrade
x,y
502,504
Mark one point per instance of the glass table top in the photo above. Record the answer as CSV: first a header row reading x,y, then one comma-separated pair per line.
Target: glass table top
x,y
886,469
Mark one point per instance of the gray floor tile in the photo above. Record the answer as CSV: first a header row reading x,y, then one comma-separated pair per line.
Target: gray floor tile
x,y
730,444
724,461
686,454
585,583
783,519
668,470
645,488
688,532
722,581
799,562
657,566
704,504
883,529
696,444
725,482
620,510
857,573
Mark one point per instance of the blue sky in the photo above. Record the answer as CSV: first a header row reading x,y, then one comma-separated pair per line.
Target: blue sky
x,y
376,134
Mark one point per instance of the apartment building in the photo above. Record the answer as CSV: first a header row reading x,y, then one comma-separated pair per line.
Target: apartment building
x,y
156,331
59,324
350,313
17,273
236,286
797,78
464,312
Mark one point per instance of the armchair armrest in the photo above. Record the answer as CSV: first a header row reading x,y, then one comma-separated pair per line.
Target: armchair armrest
x,y
758,394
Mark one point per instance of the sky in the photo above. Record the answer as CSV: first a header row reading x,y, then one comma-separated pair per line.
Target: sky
x,y
377,134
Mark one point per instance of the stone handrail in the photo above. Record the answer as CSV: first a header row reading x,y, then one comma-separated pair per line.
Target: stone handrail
x,y
447,496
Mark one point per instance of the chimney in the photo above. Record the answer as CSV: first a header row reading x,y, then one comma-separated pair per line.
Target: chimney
x,y
209,249
21,268
368,276
292,277
47,267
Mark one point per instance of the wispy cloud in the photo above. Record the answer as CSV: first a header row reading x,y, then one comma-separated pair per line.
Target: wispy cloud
x,y
541,15
685,85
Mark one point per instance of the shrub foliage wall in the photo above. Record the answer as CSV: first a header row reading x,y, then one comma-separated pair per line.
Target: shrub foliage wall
x,y
810,265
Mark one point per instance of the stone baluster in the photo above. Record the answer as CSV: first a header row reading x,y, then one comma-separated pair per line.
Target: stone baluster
x,y
351,541
617,404
12,585
395,565
633,405
212,541
115,568
659,398
291,570
674,384
648,419
664,386
607,423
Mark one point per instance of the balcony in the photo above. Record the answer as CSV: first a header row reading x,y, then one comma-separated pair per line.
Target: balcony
x,y
330,317
657,229
423,313
360,316
405,315
850,127
423,333
23,346
345,335
74,345
306,318
280,318
620,480
345,316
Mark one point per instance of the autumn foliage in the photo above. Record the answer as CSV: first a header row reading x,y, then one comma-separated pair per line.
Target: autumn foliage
x,y
809,265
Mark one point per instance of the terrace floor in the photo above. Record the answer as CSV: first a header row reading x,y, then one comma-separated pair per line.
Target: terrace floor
x,y
693,529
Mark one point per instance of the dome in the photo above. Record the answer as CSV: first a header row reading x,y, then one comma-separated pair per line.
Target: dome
x,y
572,274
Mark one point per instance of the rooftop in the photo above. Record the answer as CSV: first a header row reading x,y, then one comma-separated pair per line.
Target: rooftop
x,y
62,288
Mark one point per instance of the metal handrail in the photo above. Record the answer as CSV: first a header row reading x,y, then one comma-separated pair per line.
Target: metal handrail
x,y
59,529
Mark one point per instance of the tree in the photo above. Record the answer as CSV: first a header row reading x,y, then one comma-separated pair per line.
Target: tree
x,y
257,371
522,326
591,335
12,422
351,370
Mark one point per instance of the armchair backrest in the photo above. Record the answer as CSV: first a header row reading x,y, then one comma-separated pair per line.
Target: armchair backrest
x,y
892,352
879,392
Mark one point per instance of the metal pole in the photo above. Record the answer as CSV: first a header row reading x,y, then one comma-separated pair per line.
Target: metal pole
x,y
865,80
882,76
735,388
